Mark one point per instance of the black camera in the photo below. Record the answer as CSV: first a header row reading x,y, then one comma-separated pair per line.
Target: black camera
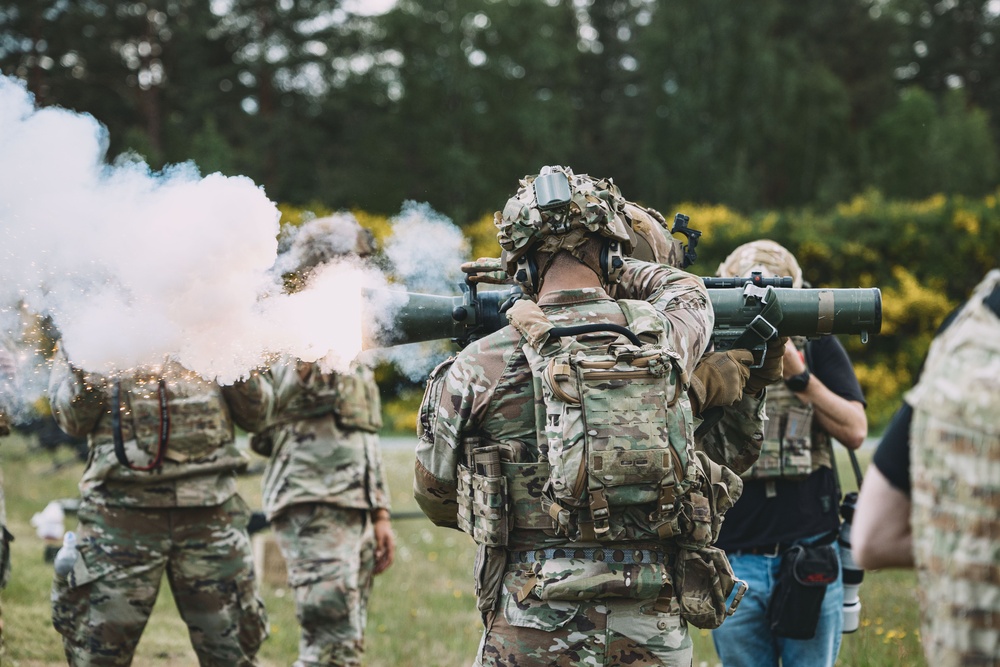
x,y
851,573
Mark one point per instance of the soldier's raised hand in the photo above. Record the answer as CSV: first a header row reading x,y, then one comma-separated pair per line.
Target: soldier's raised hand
x,y
486,270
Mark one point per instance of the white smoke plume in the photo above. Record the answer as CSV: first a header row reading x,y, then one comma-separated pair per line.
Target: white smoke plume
x,y
134,266
426,249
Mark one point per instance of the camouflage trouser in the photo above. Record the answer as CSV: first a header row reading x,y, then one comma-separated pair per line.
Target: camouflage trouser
x,y
610,631
102,606
330,554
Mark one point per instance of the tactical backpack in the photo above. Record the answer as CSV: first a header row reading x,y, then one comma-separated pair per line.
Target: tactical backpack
x,y
618,432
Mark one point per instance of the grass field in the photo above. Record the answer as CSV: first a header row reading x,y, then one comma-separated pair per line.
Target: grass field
x,y
422,609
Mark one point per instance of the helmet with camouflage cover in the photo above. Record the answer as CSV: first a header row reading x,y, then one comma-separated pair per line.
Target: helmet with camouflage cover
x,y
651,241
559,210
318,241
770,258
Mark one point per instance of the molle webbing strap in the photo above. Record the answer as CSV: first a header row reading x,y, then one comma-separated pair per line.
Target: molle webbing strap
x,y
764,327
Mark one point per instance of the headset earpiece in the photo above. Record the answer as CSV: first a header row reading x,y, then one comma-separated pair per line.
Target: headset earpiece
x,y
612,262
526,273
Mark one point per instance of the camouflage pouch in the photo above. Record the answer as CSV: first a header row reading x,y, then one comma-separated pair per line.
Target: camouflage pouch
x,y
796,452
488,569
482,503
703,510
572,579
703,582
696,521
527,611
357,404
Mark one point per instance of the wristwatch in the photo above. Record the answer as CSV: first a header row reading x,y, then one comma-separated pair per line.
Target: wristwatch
x,y
798,383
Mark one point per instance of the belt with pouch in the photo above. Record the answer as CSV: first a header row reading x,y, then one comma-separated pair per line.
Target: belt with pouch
x,y
622,556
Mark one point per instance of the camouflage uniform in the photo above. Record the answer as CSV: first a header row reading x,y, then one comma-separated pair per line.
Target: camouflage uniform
x,y
955,440
323,482
182,517
486,393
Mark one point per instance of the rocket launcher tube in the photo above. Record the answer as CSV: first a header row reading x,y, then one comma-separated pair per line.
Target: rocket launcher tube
x,y
462,318
794,312
745,315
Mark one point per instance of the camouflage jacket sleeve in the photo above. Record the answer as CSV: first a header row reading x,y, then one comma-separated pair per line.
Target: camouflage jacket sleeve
x,y
250,401
438,450
736,439
459,395
682,299
77,399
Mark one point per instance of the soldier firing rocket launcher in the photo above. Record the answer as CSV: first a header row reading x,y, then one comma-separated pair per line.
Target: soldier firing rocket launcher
x,y
748,312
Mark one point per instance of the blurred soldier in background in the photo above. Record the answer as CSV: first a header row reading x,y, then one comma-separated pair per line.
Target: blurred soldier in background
x,y
158,495
787,518
7,370
582,560
324,489
947,432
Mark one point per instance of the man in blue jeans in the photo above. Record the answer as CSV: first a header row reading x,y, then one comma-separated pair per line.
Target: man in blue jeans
x,y
790,496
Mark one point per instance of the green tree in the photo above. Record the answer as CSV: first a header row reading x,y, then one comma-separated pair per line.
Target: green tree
x,y
921,147
150,71
458,98
757,104
948,45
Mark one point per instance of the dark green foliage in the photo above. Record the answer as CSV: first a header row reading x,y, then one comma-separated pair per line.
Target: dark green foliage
x,y
769,104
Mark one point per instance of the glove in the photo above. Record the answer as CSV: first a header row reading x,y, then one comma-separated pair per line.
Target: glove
x,y
718,379
486,270
770,370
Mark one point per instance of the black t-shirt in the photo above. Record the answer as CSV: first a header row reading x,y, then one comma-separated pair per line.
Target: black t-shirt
x,y
892,458
798,508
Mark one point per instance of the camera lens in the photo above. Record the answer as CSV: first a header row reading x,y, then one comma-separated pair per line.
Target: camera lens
x,y
851,574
